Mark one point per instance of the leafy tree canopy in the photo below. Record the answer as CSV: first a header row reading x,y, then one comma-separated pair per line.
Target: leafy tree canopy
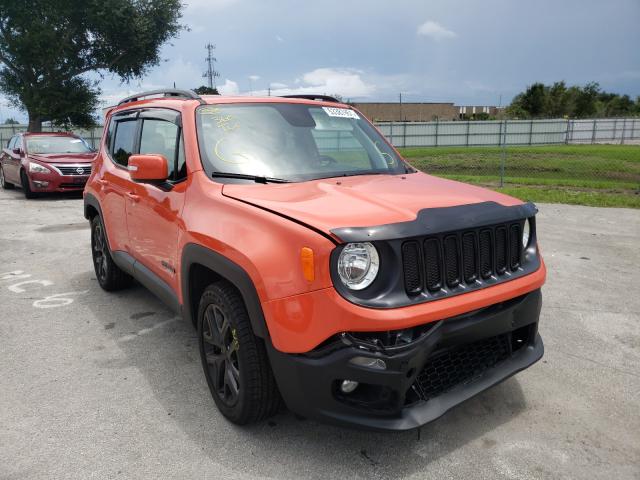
x,y
204,90
47,47
558,100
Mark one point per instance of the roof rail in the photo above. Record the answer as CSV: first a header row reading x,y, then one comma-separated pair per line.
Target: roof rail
x,y
168,92
324,98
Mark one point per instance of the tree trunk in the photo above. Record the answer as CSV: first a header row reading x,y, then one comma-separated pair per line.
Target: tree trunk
x,y
35,123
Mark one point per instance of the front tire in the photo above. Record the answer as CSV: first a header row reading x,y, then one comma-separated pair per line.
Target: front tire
x,y
109,275
234,360
3,181
26,186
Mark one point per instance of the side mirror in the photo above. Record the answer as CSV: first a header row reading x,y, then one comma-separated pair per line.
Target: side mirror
x,y
17,151
148,167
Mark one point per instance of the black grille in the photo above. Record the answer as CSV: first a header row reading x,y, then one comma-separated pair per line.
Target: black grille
x,y
451,262
486,254
73,185
461,365
411,264
469,257
433,264
501,250
74,169
514,248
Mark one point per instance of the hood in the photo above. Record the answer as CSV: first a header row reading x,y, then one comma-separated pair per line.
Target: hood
x,y
362,201
63,157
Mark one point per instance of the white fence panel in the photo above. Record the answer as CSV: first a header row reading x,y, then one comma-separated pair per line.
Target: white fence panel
x,y
463,133
510,132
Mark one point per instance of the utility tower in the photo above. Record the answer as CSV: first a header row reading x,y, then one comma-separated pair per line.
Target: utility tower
x,y
211,73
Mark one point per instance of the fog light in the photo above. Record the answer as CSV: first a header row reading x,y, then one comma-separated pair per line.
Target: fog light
x,y
348,386
375,363
40,184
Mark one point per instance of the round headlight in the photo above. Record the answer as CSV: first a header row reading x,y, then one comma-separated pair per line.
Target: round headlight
x,y
358,265
525,233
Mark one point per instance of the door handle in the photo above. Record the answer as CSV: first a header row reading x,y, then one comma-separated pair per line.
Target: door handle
x,y
133,197
101,182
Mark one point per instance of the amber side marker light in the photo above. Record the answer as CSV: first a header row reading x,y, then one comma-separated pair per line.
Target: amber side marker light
x,y
306,258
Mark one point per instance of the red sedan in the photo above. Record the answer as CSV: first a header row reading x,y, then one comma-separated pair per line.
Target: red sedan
x,y
45,162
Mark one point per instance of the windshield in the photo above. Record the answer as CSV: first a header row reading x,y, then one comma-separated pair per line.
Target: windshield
x,y
57,144
294,142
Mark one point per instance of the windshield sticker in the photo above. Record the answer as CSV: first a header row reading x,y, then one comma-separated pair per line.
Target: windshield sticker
x,y
341,112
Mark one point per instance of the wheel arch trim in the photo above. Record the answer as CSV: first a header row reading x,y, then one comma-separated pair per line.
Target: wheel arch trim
x,y
193,254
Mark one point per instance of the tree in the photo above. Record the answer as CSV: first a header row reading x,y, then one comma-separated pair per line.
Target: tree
x,y
557,101
585,100
48,46
617,106
204,90
533,100
11,121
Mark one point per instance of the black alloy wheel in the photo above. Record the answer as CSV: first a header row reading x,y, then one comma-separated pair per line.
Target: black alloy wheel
x,y
109,275
234,360
99,252
221,353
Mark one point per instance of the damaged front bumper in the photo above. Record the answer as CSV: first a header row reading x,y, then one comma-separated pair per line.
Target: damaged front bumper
x,y
411,377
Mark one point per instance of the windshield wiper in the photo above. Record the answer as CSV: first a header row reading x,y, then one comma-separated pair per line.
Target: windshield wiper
x,y
349,174
244,176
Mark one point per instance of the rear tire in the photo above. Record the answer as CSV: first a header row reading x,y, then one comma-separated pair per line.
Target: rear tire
x,y
26,186
234,360
3,181
109,275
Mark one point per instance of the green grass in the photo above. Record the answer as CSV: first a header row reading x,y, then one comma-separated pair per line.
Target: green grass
x,y
595,175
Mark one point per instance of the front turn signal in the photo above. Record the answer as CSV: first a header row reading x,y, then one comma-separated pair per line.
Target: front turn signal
x,y
306,259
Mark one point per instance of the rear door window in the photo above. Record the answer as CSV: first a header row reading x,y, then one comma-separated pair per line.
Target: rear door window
x,y
124,141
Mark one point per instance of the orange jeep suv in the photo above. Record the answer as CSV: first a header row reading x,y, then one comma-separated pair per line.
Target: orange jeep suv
x,y
319,268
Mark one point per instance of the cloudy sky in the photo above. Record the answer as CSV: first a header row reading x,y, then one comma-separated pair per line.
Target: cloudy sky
x,y
463,51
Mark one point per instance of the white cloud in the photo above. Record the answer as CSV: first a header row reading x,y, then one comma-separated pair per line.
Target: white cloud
x,y
435,31
229,88
184,73
346,82
342,81
110,97
279,39
254,78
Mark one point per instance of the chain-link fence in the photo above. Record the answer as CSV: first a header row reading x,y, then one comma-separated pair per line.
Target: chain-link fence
x,y
593,162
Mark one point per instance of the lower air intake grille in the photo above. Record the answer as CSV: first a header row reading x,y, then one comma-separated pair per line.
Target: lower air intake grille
x,y
460,365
